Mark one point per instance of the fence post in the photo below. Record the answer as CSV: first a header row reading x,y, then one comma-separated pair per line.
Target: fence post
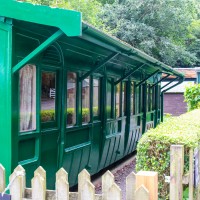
x,y
176,171
198,187
2,178
191,174
38,183
107,182
142,193
62,185
150,181
17,183
130,186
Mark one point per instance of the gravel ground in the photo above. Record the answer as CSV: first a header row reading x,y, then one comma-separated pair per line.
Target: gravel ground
x,y
120,171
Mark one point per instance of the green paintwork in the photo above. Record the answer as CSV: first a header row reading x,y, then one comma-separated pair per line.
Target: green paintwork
x,y
67,20
6,115
37,51
46,43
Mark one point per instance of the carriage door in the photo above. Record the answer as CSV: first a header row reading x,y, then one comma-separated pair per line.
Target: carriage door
x,y
50,101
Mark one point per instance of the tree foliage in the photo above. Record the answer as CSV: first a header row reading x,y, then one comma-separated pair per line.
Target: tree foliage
x,y
192,96
167,30
158,27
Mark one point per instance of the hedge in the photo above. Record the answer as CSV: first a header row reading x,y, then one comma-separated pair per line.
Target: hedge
x,y
153,150
49,115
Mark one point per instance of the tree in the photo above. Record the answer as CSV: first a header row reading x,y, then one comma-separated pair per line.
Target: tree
x,y
158,27
193,42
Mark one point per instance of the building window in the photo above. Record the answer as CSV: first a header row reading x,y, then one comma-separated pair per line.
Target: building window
x,y
27,84
71,98
86,100
48,96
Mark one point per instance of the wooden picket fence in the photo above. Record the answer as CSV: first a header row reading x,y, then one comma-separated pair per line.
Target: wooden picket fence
x,y
140,186
86,190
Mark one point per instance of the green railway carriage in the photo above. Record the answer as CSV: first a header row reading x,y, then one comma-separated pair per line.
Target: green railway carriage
x,y
71,96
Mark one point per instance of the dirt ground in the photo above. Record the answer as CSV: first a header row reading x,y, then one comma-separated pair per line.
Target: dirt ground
x,y
120,171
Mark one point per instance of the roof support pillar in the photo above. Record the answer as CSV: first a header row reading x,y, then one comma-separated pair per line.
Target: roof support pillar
x,y
38,50
101,64
129,74
147,78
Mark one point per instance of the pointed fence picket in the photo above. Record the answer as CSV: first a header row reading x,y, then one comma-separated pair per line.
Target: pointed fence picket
x,y
140,186
86,190
2,178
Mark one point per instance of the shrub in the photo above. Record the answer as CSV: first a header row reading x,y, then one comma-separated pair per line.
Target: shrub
x,y
153,150
47,115
192,96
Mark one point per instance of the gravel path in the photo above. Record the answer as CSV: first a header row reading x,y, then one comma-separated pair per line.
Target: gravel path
x,y
120,171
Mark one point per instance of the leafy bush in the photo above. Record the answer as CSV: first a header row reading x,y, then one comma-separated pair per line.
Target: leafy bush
x,y
153,150
192,96
49,115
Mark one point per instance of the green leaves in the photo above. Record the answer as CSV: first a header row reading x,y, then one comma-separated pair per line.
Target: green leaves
x,y
158,27
192,96
153,150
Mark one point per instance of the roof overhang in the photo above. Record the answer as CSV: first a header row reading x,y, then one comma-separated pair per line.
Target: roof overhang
x,y
126,49
68,21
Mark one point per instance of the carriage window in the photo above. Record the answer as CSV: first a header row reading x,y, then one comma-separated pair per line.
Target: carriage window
x,y
71,98
132,98
95,97
109,100
117,104
150,97
153,98
123,98
139,99
27,83
48,94
86,100
147,99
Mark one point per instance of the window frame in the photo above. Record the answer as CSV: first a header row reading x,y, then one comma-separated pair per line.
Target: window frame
x,y
55,123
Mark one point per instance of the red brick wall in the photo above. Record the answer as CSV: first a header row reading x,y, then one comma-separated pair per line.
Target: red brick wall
x,y
174,104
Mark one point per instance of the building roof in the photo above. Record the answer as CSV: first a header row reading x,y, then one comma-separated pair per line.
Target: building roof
x,y
188,72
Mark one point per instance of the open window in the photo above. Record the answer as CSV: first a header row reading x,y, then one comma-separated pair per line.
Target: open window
x,y
48,96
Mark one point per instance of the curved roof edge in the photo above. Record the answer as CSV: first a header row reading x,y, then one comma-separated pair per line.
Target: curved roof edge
x,y
68,21
129,50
